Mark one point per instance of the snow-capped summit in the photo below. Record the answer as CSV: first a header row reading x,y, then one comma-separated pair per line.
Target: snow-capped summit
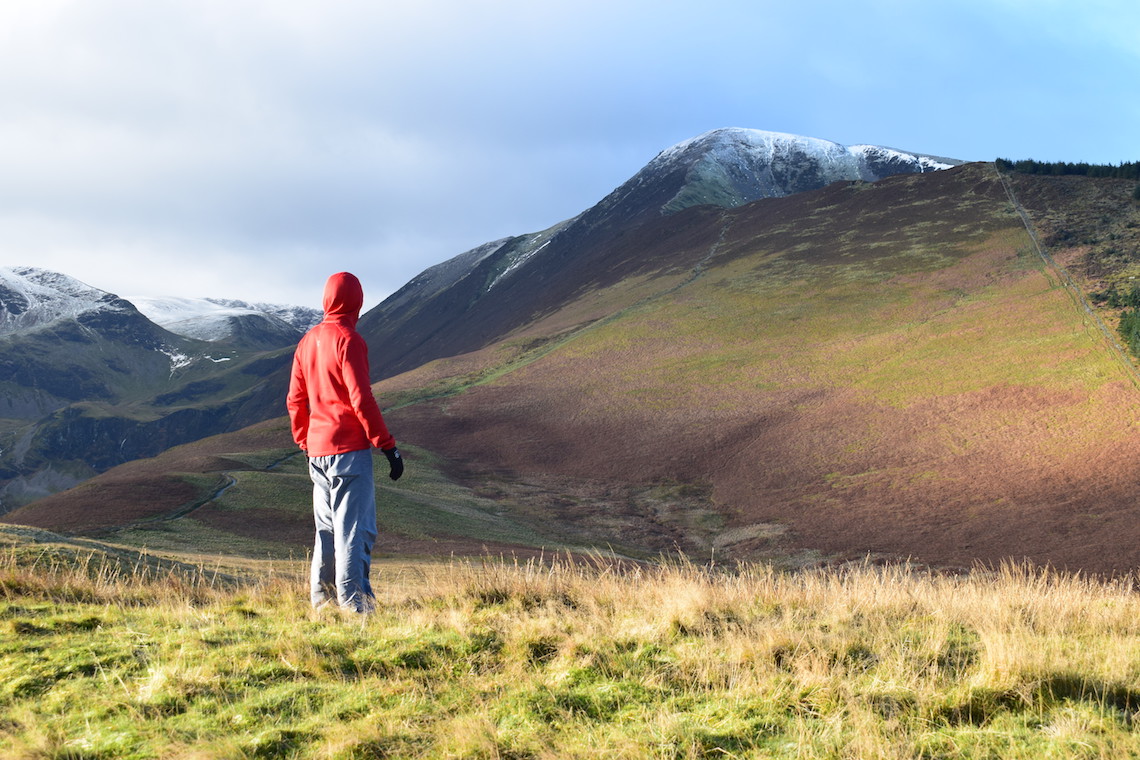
x,y
300,317
734,142
733,166
31,298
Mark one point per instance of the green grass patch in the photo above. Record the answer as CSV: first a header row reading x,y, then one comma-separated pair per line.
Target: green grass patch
x,y
511,355
425,504
285,491
191,537
912,322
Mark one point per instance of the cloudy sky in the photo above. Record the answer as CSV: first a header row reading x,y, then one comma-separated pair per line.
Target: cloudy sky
x,y
248,148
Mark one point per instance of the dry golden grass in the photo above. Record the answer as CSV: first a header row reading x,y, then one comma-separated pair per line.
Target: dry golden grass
x,y
499,659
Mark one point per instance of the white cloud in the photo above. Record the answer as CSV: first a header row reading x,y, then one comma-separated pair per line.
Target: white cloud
x,y
135,133
162,144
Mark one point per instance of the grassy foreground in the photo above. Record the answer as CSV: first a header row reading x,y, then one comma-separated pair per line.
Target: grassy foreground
x,y
105,657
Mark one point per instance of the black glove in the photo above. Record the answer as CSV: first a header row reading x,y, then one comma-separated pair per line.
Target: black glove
x,y
395,461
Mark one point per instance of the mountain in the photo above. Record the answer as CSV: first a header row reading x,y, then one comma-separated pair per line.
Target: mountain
x,y
881,369
731,167
48,321
884,369
483,294
88,382
238,323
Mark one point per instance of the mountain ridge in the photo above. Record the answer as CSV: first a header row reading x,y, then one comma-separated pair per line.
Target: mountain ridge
x,y
408,328
32,298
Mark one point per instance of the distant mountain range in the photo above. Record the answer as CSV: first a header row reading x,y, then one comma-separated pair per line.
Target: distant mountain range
x,y
33,298
88,381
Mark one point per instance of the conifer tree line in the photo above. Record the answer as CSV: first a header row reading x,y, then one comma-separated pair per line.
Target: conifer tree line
x,y
1129,300
1130,330
1115,299
1057,168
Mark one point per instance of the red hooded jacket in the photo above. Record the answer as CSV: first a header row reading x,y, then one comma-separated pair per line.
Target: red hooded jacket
x,y
331,406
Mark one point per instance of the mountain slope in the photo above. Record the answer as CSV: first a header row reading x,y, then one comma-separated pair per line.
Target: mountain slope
x,y
491,290
872,368
884,369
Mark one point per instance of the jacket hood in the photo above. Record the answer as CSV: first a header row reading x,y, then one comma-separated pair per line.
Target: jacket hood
x,y
343,298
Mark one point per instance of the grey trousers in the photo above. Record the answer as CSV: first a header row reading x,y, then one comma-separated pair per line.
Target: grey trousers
x,y
344,510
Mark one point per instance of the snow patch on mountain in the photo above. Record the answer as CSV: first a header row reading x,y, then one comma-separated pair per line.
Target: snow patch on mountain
x,y
878,153
300,317
31,298
178,359
735,145
525,247
216,319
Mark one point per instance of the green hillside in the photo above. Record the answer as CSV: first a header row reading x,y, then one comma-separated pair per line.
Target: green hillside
x,y
885,368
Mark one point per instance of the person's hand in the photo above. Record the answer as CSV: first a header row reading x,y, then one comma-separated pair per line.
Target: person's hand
x,y
395,462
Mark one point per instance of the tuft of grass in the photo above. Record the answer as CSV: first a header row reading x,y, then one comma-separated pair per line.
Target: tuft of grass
x,y
563,658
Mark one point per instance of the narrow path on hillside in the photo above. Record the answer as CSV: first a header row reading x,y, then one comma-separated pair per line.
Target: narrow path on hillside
x,y
228,482
1075,292
219,492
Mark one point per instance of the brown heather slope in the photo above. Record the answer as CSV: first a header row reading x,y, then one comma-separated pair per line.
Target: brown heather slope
x,y
152,488
883,369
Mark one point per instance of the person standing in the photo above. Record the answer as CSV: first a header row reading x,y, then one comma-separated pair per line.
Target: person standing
x,y
336,421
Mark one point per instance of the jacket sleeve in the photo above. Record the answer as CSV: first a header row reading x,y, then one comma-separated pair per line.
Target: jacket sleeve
x,y
297,402
359,386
